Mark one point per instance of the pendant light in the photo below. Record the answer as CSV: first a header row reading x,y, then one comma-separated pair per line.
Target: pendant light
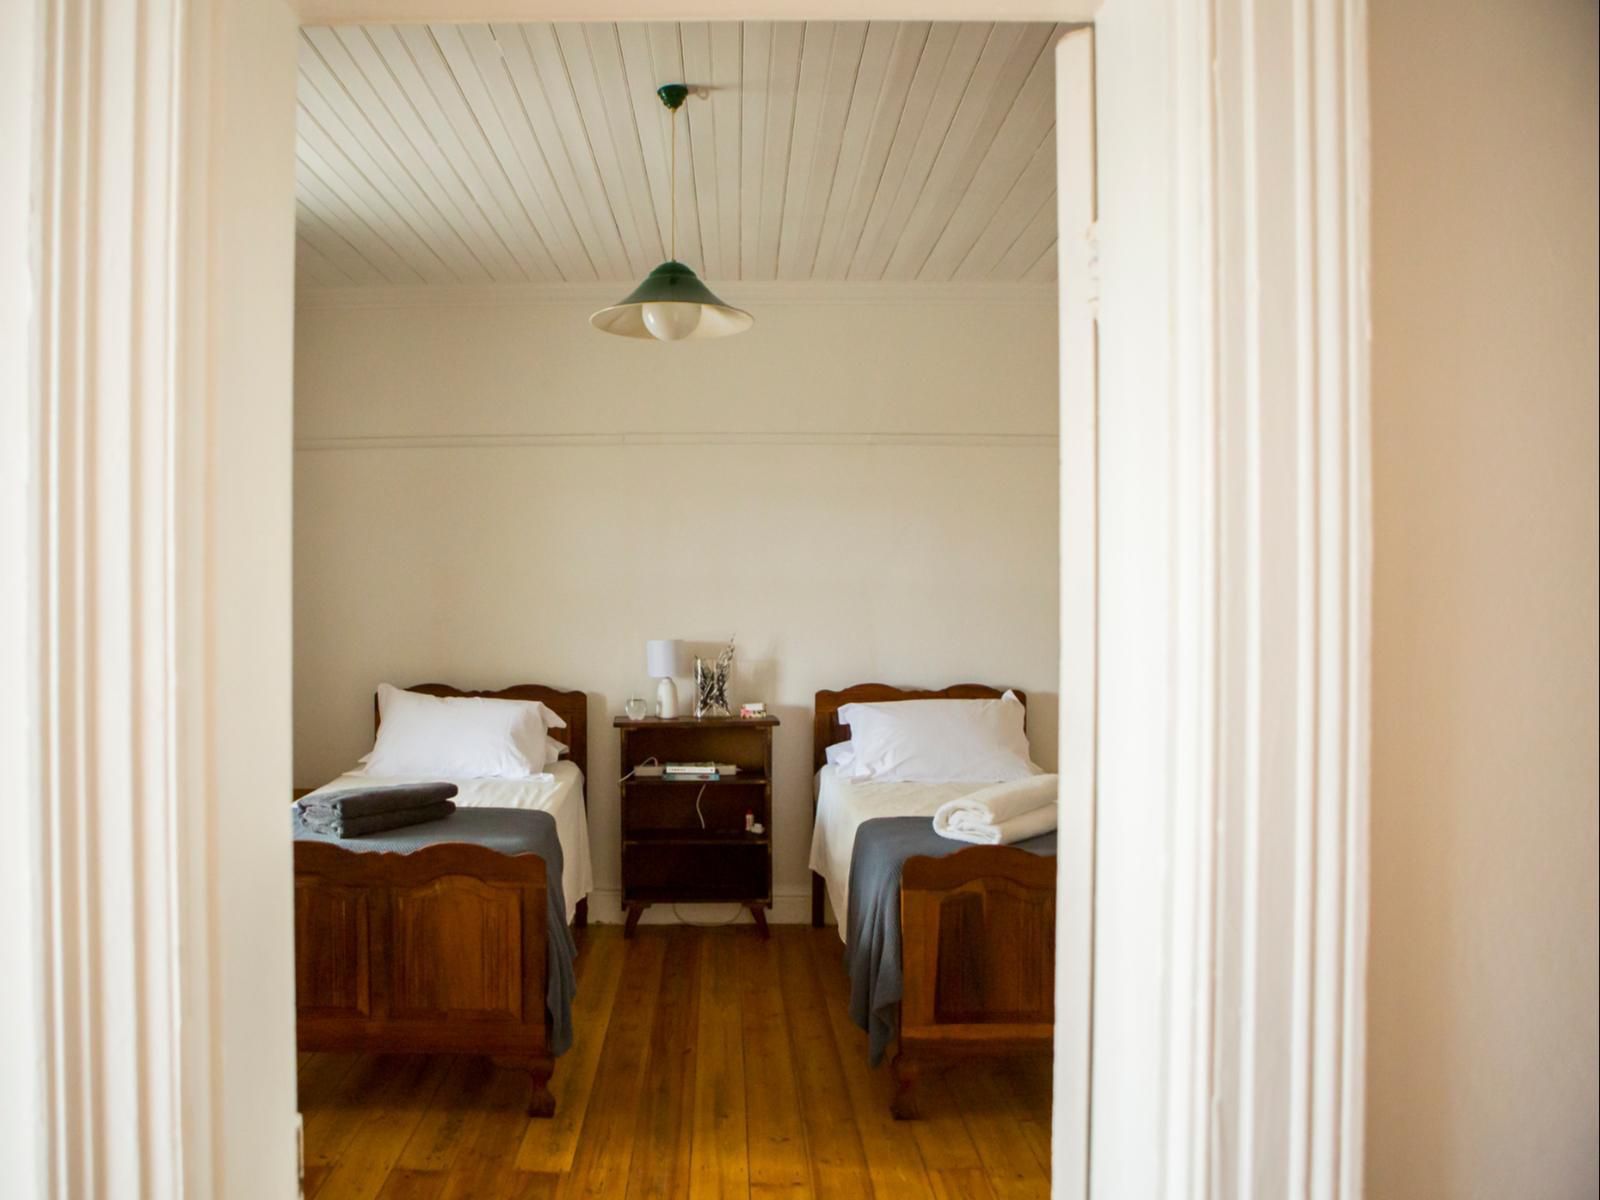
x,y
672,304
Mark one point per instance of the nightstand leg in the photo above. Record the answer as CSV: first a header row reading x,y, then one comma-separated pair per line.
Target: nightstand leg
x,y
759,912
635,911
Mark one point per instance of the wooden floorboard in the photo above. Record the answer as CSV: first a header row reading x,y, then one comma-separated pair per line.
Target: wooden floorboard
x,y
605,1144
551,1145
779,1163
894,1162
364,1164
719,1153
663,1133
705,1063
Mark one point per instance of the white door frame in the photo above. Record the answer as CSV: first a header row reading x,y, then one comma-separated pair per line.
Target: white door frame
x,y
147,305
1077,257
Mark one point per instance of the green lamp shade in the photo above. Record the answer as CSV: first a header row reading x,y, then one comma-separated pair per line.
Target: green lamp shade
x,y
672,305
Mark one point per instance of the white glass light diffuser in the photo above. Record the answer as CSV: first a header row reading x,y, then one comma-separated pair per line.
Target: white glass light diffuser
x,y
671,320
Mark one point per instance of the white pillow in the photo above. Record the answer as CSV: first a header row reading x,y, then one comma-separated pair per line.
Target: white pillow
x,y
458,737
841,755
553,750
939,741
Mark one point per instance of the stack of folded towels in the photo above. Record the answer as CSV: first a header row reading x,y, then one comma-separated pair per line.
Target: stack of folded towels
x,y
359,811
1002,814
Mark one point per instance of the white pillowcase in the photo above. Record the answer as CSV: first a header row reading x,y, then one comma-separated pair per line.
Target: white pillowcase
x,y
459,737
553,750
938,741
841,755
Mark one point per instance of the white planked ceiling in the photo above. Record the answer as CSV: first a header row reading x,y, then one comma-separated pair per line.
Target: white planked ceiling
x,y
460,154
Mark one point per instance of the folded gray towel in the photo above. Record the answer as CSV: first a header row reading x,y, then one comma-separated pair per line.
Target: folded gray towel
x,y
330,823
369,801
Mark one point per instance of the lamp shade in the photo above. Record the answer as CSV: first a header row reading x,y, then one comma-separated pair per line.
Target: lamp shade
x,y
672,305
663,658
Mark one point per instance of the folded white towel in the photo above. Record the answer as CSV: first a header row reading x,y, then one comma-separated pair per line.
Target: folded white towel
x,y
1002,814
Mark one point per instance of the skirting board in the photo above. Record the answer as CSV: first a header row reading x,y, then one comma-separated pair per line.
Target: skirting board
x,y
788,908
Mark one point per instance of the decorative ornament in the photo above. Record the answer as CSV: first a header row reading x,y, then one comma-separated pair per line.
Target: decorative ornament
x,y
711,684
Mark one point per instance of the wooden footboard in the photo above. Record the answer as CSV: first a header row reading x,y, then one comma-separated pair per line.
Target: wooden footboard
x,y
441,951
978,943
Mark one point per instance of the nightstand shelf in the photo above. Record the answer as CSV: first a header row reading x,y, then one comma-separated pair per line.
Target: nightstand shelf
x,y
741,779
684,840
710,837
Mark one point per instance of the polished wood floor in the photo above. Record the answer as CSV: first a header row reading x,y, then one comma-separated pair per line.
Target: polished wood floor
x,y
706,1063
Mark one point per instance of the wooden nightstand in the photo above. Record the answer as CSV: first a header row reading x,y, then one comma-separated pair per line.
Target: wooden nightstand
x,y
685,840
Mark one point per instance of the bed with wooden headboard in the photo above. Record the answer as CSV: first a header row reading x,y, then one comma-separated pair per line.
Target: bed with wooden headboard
x,y
439,951
968,921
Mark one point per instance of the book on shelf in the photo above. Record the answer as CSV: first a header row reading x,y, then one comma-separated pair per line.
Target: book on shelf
x,y
694,771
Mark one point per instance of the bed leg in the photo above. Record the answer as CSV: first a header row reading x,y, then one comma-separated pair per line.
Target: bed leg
x,y
580,915
904,1104
816,900
541,1102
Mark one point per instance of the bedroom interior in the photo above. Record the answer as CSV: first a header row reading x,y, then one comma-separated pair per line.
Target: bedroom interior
x,y
492,495
1339,451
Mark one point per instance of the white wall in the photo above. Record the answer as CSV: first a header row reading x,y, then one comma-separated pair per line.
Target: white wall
x,y
1483,1007
858,489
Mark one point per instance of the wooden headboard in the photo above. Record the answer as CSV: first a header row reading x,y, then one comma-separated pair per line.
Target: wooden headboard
x,y
826,730
571,707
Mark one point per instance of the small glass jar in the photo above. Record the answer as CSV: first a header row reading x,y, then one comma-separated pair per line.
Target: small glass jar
x,y
635,708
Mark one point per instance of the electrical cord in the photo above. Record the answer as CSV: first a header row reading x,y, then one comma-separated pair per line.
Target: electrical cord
x,y
647,762
699,812
737,908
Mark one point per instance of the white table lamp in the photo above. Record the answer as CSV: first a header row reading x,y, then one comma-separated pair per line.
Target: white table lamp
x,y
662,660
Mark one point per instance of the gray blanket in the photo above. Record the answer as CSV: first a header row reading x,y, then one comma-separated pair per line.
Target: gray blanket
x,y
330,822
371,801
507,831
356,812
872,940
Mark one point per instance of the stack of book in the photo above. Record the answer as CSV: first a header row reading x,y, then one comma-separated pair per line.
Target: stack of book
x,y
706,771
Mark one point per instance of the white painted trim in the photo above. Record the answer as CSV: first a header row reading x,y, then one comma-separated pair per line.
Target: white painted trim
x,y
1077,248
27,1130
233,506
1232,860
101,406
753,295
789,907
502,441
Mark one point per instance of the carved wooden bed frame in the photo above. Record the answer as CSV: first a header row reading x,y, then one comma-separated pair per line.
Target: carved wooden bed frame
x,y
977,929
441,951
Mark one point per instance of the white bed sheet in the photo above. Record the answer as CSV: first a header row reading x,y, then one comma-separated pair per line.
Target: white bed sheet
x,y
843,804
559,792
